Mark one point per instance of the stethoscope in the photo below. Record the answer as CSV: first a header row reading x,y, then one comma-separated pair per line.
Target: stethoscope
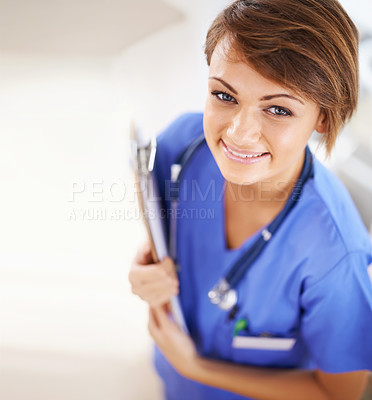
x,y
224,293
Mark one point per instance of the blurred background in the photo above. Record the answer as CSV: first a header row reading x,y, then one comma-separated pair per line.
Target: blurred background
x,y
72,75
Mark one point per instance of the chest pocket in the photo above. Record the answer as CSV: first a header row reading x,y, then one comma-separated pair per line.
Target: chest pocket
x,y
260,348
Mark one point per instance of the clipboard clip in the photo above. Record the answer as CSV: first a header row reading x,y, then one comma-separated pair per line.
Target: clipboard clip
x,y
143,152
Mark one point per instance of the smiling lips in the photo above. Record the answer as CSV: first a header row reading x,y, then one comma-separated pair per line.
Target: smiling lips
x,y
245,157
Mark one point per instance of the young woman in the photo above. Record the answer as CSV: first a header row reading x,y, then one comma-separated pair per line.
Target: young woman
x,y
292,316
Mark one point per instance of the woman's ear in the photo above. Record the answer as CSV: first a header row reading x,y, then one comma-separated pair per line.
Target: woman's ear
x,y
322,122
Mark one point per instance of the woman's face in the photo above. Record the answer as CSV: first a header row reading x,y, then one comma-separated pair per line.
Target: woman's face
x,y
256,129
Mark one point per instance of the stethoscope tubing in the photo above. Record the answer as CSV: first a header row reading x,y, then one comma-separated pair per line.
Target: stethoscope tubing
x,y
239,269
225,288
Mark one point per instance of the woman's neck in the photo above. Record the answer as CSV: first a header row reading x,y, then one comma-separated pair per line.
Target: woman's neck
x,y
249,208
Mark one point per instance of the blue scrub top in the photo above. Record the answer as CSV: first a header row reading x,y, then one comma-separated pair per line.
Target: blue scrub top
x,y
310,283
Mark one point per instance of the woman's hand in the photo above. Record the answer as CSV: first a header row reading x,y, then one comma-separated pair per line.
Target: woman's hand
x,y
153,283
176,345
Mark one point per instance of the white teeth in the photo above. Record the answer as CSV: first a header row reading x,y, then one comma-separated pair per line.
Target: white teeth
x,y
245,155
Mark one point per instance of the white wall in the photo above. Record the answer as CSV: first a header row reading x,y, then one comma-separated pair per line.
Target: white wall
x,y
68,322
166,74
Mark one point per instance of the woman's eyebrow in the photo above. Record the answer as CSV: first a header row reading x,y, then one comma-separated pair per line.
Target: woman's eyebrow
x,y
224,83
269,97
273,96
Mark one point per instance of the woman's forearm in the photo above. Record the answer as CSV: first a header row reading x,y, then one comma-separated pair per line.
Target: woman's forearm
x,y
273,384
255,382
259,383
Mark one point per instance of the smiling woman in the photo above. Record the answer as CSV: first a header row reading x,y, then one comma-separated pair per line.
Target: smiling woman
x,y
285,256
314,53
263,120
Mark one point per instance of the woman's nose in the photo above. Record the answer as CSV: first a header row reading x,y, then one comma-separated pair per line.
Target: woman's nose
x,y
245,128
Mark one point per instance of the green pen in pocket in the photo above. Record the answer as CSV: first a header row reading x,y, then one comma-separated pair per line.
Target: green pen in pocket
x,y
240,325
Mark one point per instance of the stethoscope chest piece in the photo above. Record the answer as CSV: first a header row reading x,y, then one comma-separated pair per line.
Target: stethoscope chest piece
x,y
223,295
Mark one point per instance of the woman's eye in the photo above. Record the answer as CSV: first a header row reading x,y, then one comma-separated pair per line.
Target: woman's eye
x,y
279,111
223,96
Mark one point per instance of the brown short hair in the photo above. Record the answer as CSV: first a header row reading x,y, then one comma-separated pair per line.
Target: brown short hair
x,y
308,46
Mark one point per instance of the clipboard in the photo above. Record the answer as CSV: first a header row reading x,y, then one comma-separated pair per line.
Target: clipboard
x,y
143,158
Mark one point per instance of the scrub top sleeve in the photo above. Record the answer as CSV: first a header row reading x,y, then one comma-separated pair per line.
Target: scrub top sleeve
x,y
172,142
169,145
336,323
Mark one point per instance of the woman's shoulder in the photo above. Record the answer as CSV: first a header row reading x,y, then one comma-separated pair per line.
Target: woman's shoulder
x,y
180,134
172,143
330,225
338,208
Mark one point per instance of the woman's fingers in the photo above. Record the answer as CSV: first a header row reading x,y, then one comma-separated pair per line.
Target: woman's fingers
x,y
155,299
144,255
153,283
152,279
166,284
148,273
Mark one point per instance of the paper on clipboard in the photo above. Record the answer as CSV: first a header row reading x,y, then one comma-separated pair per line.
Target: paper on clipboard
x,y
143,157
